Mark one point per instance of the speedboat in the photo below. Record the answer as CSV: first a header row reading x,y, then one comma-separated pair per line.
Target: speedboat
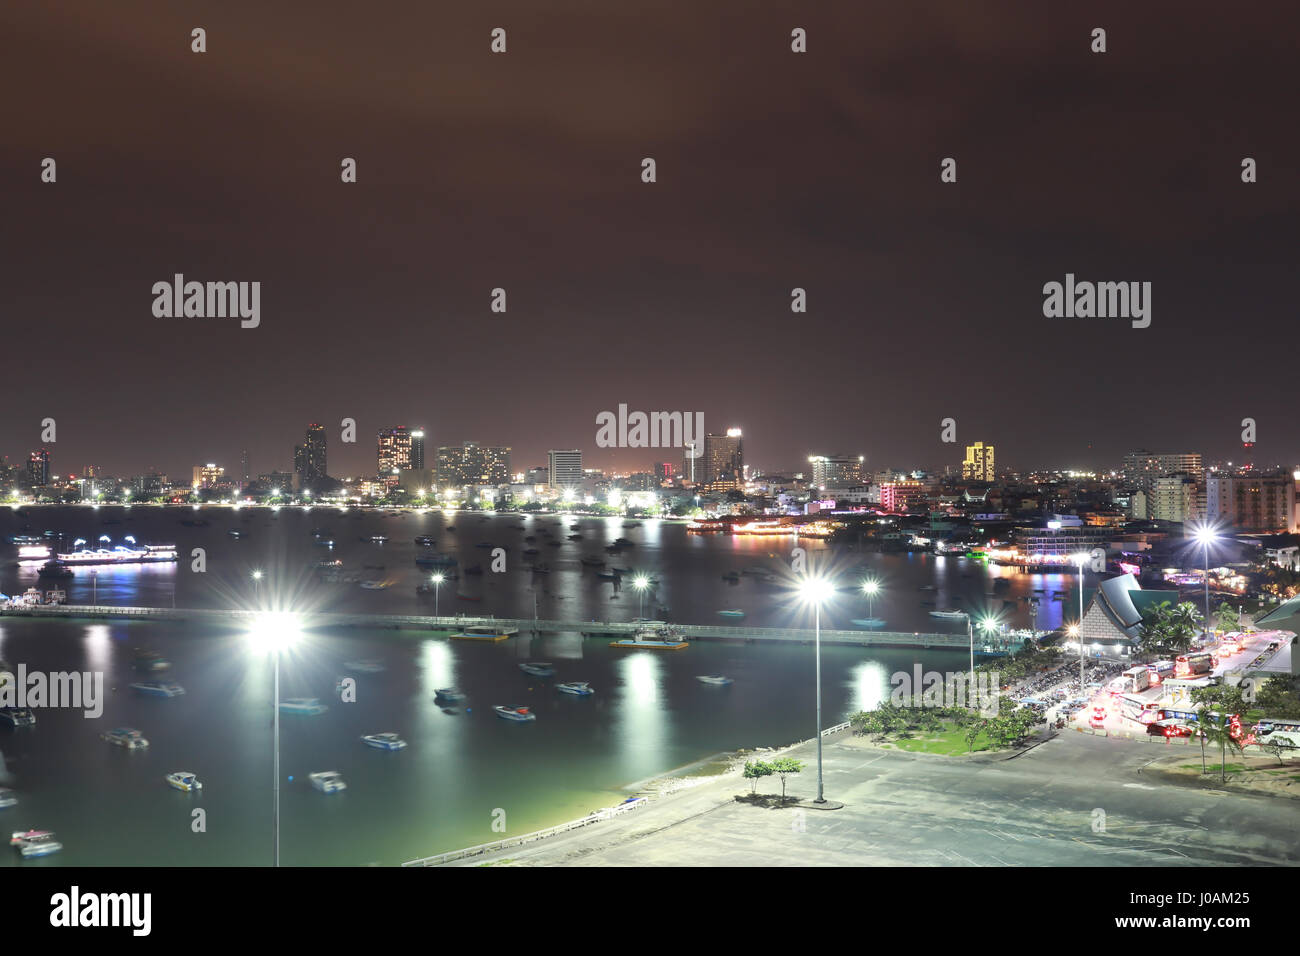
x,y
18,716
183,780
870,623
717,680
302,705
537,670
35,842
366,667
578,688
950,615
7,798
378,538
153,688
385,741
514,713
327,781
374,585
731,613
425,541
125,737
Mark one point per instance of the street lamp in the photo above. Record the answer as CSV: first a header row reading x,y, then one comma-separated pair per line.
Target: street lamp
x,y
257,578
641,582
273,632
1081,557
1206,535
814,591
870,588
437,583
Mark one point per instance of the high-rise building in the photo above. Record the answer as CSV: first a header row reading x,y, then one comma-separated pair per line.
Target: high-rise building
x,y
693,463
564,468
665,470
836,471
394,453
1251,502
309,457
1177,498
38,468
1142,467
243,461
724,458
207,476
473,464
979,464
417,449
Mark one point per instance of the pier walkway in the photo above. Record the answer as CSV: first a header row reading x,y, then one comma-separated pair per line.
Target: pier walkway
x,y
695,632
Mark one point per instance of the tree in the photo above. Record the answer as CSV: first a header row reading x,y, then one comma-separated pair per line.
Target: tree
x,y
973,731
1168,629
784,766
1229,617
755,769
1220,705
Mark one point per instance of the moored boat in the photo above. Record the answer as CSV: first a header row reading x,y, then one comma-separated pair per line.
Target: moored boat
x,y
302,705
385,741
578,688
950,615
870,623
327,781
733,613
448,695
717,680
32,843
183,780
125,737
514,713
153,688
537,669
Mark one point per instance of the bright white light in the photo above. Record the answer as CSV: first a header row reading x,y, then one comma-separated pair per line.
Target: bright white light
x,y
640,582
815,590
275,631
870,587
257,575
1206,535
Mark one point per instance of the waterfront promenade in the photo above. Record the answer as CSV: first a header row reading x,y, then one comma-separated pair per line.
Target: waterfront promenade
x,y
706,632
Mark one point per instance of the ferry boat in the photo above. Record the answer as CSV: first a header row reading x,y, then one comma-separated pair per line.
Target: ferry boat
x,y
31,843
125,737
950,615
385,741
7,798
716,680
448,695
302,705
485,632
327,781
18,716
153,688
53,569
183,780
537,670
660,637
514,713
121,554
870,623
732,613
579,688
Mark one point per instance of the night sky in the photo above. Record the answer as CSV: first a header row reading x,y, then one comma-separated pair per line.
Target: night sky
x,y
775,170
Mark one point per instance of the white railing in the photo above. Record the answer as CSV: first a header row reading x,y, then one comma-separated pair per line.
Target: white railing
x,y
508,842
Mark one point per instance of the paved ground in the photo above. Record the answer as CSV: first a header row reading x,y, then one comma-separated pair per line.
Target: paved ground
x,y
1037,809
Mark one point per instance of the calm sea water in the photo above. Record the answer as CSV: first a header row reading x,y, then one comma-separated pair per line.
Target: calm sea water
x,y
648,716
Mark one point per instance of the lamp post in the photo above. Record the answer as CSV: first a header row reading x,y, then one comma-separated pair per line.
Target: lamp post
x,y
640,583
273,632
94,588
1081,559
815,590
870,588
257,580
1206,535
437,584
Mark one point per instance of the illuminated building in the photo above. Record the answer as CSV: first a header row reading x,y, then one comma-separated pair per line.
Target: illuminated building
x,y
979,464
664,470
1142,467
836,471
38,468
473,464
207,476
724,458
1251,502
394,453
417,449
1178,498
309,457
899,495
564,468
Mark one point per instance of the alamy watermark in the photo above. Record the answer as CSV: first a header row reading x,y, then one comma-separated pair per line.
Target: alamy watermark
x,y
954,689
26,690
1102,300
624,429
211,300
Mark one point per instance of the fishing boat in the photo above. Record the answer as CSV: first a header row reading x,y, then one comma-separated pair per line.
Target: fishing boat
x,y
448,695
537,670
716,680
870,623
378,538
153,688
32,843
183,780
514,713
950,615
653,637
385,741
733,613
327,781
310,706
578,688
18,716
126,738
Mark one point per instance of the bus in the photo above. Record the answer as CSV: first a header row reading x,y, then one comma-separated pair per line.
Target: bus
x,y
1134,708
1230,644
1190,665
1160,670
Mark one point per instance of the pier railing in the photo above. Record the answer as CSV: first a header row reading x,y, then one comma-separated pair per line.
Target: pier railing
x,y
508,842
602,628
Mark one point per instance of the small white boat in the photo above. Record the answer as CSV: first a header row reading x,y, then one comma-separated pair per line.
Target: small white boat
x,y
153,688
385,741
448,695
125,737
733,612
183,780
537,670
514,713
7,798
716,680
32,843
949,615
302,705
327,781
579,688
870,623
